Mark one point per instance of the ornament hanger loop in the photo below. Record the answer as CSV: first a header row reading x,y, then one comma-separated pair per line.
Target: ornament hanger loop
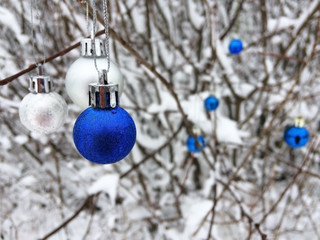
x,y
103,77
106,29
87,16
40,69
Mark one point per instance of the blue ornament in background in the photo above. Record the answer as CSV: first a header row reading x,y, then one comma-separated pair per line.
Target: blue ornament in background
x,y
235,46
193,146
211,103
104,133
297,135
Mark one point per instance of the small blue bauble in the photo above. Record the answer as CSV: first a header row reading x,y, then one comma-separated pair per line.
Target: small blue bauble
x,y
211,103
104,135
235,46
296,136
192,145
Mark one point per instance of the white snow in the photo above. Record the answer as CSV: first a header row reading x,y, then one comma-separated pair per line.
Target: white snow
x,y
194,213
9,170
21,139
5,143
148,141
107,184
226,130
167,104
9,20
28,181
144,204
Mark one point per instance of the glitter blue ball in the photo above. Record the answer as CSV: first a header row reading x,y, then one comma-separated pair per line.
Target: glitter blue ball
x,y
296,136
211,103
104,136
193,146
235,46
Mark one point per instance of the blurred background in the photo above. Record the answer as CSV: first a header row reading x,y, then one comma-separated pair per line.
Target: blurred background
x,y
246,183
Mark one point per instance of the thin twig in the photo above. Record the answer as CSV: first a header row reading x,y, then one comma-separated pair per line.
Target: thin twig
x,y
233,21
68,220
253,148
214,201
243,212
150,155
48,59
281,56
186,176
313,146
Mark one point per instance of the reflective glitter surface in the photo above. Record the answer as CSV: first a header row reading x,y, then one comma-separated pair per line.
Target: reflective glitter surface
x,y
104,136
43,112
296,136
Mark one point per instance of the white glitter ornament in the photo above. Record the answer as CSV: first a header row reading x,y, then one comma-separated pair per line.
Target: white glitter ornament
x,y
42,110
83,72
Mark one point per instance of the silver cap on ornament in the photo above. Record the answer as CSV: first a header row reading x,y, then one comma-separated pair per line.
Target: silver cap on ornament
x,y
40,84
87,48
299,121
196,130
103,94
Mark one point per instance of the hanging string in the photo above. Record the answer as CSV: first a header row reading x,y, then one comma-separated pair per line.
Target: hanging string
x,y
32,33
41,25
35,6
93,34
93,37
300,91
87,18
106,29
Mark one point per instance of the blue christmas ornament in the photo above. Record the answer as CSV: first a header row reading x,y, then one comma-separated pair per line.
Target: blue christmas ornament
x,y
296,136
104,133
211,103
193,146
235,46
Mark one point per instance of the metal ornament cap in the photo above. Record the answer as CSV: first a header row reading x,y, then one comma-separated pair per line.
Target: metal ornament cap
x,y
87,48
103,96
299,121
40,84
196,130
